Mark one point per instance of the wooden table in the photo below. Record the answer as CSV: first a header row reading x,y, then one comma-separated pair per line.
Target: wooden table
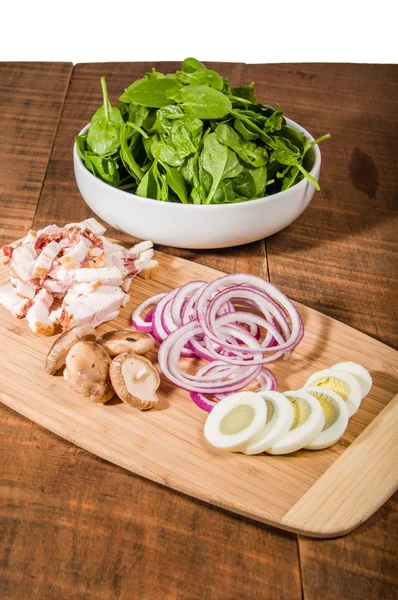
x,y
74,526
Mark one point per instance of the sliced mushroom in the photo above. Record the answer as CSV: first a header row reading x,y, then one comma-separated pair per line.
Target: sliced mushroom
x,y
126,340
57,355
135,380
87,371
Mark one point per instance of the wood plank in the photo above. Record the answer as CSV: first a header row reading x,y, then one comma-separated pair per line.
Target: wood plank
x,y
73,523
225,552
340,257
358,566
31,98
354,480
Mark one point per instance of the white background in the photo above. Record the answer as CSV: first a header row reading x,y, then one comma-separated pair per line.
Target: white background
x,y
234,31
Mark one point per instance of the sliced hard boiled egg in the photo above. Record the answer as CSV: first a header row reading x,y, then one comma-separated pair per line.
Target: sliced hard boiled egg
x,y
341,382
235,420
361,374
336,417
280,415
308,422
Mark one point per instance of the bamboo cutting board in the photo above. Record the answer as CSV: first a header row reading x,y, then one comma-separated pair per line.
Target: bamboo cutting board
x,y
324,493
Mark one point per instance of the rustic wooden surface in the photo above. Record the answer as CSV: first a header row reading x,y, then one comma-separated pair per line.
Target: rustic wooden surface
x,y
31,98
73,525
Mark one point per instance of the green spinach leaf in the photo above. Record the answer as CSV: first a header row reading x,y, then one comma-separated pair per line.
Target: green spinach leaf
x,y
103,137
214,158
203,102
246,150
190,65
154,93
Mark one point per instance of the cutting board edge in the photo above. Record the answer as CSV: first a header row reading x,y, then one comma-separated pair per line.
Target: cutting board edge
x,y
295,519
290,521
56,428
340,487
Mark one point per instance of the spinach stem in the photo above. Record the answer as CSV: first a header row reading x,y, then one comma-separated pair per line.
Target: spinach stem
x,y
105,97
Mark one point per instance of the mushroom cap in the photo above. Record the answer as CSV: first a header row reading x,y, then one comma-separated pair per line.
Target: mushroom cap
x,y
87,371
135,380
126,340
56,356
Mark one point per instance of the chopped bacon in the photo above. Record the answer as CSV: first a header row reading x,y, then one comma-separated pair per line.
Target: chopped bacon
x,y
76,264
51,233
93,237
94,308
75,255
45,259
21,307
107,276
27,289
22,262
8,250
38,315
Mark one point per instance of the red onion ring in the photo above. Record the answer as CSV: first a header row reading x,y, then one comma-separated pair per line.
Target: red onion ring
x,y
136,319
202,320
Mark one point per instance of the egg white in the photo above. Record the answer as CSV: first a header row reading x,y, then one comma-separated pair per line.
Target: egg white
x,y
280,415
340,382
336,417
361,374
308,422
235,420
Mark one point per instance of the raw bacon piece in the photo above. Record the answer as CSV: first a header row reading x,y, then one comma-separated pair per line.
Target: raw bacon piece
x,y
85,288
92,224
51,233
30,237
38,315
45,259
27,289
22,262
93,308
8,250
8,296
96,258
75,255
93,237
106,275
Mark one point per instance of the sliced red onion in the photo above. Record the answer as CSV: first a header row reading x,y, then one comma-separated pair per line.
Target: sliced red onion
x,y
202,320
170,352
137,321
183,293
266,380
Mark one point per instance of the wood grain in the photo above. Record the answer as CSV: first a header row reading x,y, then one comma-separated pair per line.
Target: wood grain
x,y
345,243
354,480
166,444
225,552
37,470
340,257
75,526
31,98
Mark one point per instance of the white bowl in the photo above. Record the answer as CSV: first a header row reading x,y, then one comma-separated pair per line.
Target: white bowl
x,y
191,225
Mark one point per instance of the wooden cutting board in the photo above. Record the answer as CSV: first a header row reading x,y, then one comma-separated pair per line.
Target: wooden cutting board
x,y
324,493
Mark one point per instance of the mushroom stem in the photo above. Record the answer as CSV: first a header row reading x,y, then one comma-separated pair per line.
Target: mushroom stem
x,y
141,375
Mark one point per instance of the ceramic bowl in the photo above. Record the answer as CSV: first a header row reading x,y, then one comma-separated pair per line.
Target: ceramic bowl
x,y
196,226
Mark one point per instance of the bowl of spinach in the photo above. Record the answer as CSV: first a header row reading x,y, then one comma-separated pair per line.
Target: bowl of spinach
x,y
188,160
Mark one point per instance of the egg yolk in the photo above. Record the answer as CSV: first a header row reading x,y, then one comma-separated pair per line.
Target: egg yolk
x,y
335,384
237,419
302,410
329,407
